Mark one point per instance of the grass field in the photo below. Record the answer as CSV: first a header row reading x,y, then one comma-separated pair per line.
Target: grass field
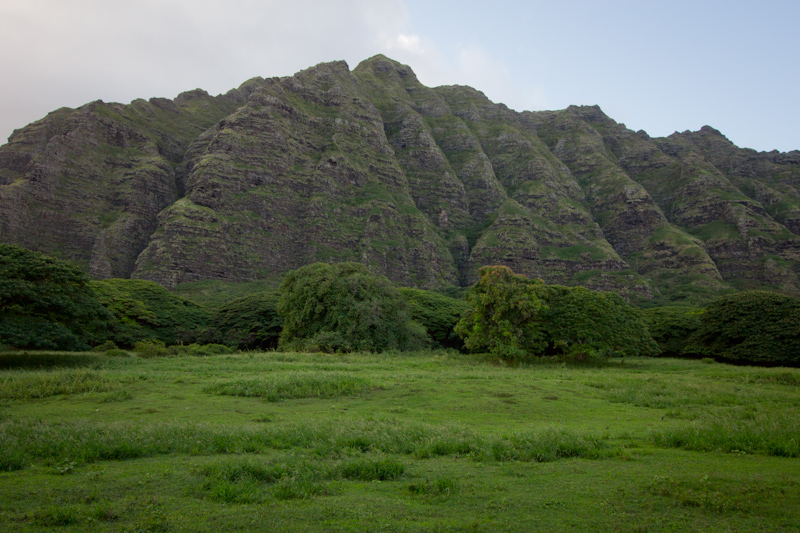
x,y
394,442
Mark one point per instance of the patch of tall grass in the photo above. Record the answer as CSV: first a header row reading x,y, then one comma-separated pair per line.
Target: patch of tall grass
x,y
293,385
250,480
25,441
660,393
716,493
790,378
550,445
43,384
440,488
774,433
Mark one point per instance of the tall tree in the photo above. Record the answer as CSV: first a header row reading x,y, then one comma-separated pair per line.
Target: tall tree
x,y
47,303
504,315
344,307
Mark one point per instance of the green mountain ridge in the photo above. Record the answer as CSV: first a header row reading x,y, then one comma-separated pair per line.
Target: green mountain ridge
x,y
424,185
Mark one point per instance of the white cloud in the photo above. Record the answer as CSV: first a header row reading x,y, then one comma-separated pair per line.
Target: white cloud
x,y
406,43
56,53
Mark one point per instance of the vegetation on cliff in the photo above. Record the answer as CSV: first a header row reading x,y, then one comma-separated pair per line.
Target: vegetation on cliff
x,y
423,185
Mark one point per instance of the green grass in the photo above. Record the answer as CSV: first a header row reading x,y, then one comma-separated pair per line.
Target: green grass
x,y
432,441
274,388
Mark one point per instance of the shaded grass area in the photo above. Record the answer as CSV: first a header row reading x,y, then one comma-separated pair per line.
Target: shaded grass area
x,y
247,480
396,442
33,360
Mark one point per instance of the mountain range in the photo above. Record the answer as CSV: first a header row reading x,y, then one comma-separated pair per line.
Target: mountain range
x,y
423,185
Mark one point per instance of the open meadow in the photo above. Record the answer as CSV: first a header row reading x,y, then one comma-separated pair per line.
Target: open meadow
x,y
428,441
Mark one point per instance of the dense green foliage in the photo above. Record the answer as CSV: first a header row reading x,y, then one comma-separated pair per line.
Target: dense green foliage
x,y
504,317
752,327
146,310
343,308
438,313
250,322
581,324
46,303
517,318
672,327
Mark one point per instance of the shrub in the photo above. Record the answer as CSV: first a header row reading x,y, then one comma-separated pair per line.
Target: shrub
x,y
672,327
46,303
751,327
504,314
150,348
200,349
438,313
581,324
106,346
344,307
144,310
251,322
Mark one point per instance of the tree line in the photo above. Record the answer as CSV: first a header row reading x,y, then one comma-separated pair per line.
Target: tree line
x,y
46,303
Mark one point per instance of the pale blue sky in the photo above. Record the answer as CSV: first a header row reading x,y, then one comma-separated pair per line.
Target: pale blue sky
x,y
661,66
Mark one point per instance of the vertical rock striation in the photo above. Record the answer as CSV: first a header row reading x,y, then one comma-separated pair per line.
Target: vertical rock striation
x,y
424,185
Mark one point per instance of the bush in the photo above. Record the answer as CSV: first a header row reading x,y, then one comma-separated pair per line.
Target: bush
x,y
438,313
251,322
672,327
582,324
343,308
106,346
751,327
150,348
145,310
46,303
200,349
504,315
517,318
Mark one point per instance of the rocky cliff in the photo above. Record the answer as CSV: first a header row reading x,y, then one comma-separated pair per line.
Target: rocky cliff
x,y
424,185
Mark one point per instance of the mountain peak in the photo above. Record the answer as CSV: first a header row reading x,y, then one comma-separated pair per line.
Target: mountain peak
x,y
423,185
385,67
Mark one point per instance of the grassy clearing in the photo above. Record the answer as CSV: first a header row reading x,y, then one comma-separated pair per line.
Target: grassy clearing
x,y
394,442
294,385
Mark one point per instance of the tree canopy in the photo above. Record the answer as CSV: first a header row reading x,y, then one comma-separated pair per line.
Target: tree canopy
x,y
672,327
250,322
47,303
752,327
438,313
504,314
344,307
580,323
146,310
516,318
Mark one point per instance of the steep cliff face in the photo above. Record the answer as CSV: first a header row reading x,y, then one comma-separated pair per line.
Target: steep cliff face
x,y
302,172
88,184
424,185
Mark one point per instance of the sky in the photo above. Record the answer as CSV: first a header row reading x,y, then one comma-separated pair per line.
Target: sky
x,y
655,65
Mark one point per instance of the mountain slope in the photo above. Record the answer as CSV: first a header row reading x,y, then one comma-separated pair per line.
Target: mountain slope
x,y
424,185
